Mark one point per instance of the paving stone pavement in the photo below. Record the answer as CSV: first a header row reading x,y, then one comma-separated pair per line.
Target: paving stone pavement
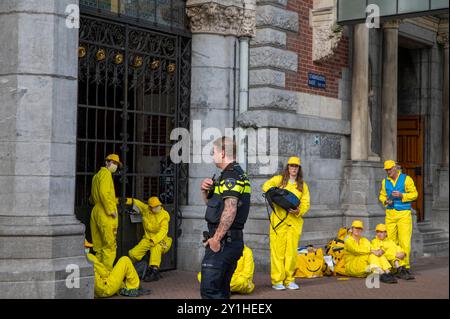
x,y
432,282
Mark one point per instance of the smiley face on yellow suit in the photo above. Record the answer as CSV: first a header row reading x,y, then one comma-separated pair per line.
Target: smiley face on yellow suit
x,y
310,264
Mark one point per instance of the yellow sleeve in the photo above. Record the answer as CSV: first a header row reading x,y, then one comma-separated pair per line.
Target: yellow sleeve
x,y
353,248
383,195
304,201
249,265
142,206
375,244
163,228
273,182
107,194
390,250
411,191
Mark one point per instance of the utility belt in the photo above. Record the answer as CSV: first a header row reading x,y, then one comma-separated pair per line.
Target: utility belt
x,y
231,234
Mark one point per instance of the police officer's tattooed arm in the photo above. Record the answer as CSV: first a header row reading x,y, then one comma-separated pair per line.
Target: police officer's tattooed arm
x,y
226,220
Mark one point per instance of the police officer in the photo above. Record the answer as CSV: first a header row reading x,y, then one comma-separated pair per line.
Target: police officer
x,y
228,204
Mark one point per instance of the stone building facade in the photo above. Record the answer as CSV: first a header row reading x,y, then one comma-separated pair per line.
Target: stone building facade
x,y
382,86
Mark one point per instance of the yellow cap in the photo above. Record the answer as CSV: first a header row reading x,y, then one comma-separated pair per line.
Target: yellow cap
x,y
113,157
87,244
380,227
357,224
389,164
294,160
154,201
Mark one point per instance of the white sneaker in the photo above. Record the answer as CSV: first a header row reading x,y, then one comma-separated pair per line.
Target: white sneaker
x,y
279,287
292,286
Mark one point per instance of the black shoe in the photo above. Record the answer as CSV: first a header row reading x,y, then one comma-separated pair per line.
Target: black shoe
x,y
404,274
394,280
388,279
143,292
152,275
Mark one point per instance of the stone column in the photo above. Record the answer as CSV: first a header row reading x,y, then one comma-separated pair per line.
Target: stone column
x,y
41,241
360,94
359,195
443,40
216,26
441,204
389,91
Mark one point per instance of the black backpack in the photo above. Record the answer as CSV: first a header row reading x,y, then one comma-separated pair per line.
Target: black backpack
x,y
283,198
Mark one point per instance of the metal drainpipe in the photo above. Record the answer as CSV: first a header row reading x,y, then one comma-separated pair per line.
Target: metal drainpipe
x,y
243,90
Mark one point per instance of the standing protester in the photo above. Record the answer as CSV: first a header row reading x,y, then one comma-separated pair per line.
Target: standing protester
x,y
228,204
287,226
397,192
104,217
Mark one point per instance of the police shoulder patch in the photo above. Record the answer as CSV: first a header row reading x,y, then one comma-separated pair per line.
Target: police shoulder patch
x,y
230,183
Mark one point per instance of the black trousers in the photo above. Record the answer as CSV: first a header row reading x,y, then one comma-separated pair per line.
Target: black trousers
x,y
218,268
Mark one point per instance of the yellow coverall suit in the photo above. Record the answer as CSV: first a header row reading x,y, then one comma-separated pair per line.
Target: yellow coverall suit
x,y
399,222
108,282
284,240
156,226
390,250
242,280
359,261
103,223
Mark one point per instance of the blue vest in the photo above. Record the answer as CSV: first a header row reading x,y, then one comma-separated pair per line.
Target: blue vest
x,y
399,186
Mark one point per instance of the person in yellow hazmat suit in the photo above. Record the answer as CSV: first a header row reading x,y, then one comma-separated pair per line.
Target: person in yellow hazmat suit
x,y
104,216
155,220
242,279
122,279
361,259
393,252
284,239
396,194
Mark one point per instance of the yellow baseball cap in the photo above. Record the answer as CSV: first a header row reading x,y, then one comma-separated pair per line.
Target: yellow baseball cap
x,y
154,201
113,157
389,164
380,227
294,160
87,244
357,224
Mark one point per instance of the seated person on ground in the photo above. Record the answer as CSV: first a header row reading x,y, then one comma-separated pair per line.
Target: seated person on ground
x,y
155,220
393,252
361,259
122,279
242,280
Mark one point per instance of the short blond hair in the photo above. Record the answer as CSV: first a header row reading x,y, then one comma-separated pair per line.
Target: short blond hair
x,y
226,144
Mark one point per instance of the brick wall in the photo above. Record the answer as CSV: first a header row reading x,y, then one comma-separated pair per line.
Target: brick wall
x,y
301,43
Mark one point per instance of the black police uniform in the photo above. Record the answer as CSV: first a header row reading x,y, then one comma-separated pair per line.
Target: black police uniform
x,y
218,268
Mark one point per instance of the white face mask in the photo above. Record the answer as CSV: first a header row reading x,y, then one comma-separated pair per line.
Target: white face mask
x,y
156,209
112,167
86,251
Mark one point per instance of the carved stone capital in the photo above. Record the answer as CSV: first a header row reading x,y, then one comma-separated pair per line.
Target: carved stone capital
x,y
442,39
392,24
326,32
228,17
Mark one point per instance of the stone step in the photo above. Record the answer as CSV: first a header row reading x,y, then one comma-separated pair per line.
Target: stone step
x,y
432,233
436,247
424,224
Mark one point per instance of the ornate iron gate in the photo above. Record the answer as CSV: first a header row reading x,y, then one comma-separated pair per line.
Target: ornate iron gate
x,y
133,89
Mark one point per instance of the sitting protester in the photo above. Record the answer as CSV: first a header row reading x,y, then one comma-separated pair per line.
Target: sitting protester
x,y
361,259
155,220
392,252
122,279
242,280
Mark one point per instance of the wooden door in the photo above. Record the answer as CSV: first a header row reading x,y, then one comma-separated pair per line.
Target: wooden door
x,y
410,155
